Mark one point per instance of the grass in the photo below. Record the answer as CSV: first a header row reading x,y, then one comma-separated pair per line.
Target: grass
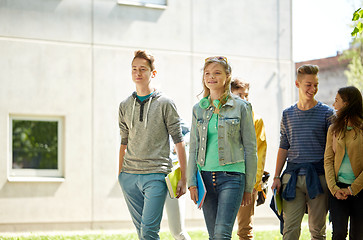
x,y
195,235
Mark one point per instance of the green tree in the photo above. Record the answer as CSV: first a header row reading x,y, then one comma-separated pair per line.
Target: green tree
x,y
35,144
355,67
355,53
358,22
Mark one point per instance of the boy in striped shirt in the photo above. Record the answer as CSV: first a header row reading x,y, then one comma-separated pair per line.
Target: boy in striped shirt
x,y
303,130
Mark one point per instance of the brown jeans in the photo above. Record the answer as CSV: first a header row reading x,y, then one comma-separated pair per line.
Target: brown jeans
x,y
244,219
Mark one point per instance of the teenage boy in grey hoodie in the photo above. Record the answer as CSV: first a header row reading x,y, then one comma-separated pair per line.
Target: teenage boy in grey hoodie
x,y
146,119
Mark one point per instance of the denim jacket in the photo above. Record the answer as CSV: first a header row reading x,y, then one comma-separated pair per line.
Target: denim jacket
x,y
236,138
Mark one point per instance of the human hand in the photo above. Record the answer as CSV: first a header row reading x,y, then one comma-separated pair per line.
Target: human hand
x,y
247,199
346,191
181,188
193,194
340,194
276,184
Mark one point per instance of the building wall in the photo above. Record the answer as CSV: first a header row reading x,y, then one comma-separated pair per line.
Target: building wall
x,y
330,80
71,58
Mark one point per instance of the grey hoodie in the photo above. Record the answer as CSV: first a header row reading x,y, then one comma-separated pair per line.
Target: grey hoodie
x,y
145,128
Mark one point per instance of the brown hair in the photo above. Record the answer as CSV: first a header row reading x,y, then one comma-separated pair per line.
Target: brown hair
x,y
227,68
237,83
352,111
148,57
307,69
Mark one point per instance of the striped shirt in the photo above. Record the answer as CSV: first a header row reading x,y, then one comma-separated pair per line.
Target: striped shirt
x,y
303,133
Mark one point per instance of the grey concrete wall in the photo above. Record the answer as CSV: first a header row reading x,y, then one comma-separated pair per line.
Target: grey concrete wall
x,y
71,58
330,80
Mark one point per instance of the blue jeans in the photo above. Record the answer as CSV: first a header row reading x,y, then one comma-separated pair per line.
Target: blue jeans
x,y
145,197
221,204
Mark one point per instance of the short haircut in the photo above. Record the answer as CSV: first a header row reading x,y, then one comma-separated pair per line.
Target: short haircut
x,y
237,83
147,56
307,69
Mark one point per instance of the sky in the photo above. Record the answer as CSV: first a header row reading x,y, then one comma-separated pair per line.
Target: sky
x,y
321,28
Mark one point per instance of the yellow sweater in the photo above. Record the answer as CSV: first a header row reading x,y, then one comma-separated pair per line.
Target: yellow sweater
x,y
261,149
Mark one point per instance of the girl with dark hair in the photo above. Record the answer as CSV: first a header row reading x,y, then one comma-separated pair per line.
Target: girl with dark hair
x,y
343,163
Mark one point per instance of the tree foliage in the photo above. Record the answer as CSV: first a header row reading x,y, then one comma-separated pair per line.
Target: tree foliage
x,y
355,67
35,144
358,20
355,53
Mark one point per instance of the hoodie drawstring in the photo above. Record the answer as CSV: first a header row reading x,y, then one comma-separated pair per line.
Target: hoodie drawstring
x,y
147,110
133,113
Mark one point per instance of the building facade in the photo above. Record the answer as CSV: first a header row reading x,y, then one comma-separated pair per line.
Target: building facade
x,y
65,67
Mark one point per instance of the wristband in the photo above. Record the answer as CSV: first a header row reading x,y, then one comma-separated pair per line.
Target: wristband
x,y
277,177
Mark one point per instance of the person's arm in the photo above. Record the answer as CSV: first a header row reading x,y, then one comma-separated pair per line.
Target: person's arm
x,y
329,157
180,150
261,152
192,161
124,132
248,135
121,157
280,162
281,154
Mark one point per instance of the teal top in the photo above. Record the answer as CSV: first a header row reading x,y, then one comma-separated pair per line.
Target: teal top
x,y
212,159
345,173
142,98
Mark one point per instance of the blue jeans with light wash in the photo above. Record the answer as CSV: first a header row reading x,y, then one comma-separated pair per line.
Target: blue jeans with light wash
x,y
145,197
221,204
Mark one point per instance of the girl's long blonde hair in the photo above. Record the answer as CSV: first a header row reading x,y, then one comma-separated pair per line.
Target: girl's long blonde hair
x,y
227,68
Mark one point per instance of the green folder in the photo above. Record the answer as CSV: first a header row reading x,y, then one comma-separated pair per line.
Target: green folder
x,y
172,180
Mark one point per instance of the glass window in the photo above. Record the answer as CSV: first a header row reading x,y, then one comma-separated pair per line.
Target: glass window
x,y
145,3
35,147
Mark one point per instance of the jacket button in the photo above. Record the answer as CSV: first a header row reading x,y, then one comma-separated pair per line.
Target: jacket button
x,y
203,138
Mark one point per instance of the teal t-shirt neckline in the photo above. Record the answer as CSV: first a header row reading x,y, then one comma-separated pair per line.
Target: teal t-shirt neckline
x,y
143,98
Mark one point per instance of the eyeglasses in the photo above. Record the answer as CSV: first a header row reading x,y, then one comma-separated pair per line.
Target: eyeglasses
x,y
217,57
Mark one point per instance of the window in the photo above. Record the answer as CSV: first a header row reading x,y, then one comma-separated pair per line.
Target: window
x,y
35,147
144,3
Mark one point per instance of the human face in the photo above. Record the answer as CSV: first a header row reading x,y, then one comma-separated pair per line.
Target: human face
x,y
339,103
141,71
215,77
308,86
242,93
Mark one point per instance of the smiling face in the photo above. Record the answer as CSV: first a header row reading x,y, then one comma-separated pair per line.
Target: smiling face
x,y
215,77
338,103
308,86
141,72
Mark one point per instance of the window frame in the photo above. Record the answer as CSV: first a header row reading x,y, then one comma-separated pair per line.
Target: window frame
x,y
37,175
139,3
